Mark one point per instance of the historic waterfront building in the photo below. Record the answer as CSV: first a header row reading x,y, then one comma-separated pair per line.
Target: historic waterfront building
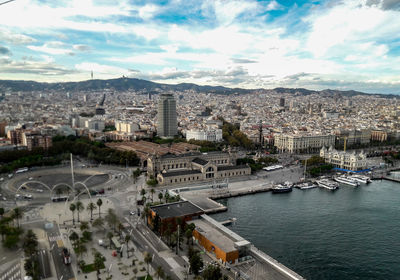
x,y
194,167
345,160
302,143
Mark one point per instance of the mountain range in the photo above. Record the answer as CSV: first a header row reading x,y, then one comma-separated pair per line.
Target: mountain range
x,y
124,84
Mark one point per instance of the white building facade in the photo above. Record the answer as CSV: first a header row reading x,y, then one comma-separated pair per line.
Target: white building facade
x,y
212,135
345,160
126,127
302,143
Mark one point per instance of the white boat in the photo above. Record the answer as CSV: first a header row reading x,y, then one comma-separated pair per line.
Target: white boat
x,y
327,184
306,186
347,181
361,178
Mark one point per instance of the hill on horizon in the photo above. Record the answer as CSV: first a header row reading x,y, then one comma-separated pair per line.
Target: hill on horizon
x,y
124,84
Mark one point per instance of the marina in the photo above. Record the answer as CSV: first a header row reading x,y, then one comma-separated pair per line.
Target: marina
x,y
300,230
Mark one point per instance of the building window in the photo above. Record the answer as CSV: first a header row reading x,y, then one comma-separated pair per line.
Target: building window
x,y
210,172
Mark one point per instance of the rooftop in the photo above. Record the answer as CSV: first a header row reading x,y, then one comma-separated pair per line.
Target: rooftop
x,y
180,173
176,209
200,161
218,238
231,167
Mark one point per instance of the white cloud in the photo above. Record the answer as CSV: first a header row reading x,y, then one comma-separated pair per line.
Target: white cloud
x,y
15,38
148,11
101,69
53,47
349,23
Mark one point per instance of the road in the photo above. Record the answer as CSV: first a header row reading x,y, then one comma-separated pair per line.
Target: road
x,y
44,264
56,244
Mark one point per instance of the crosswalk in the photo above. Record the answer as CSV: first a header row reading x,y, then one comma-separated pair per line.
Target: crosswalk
x,y
13,273
54,238
31,216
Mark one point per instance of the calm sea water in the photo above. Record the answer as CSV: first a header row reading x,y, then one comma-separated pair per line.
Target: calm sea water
x,y
353,233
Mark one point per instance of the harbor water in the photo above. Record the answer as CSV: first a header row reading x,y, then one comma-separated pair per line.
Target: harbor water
x,y
351,233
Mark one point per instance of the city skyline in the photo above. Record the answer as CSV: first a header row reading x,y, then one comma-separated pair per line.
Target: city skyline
x,y
251,44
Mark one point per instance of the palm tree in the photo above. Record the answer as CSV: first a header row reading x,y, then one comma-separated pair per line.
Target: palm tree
x,y
166,196
80,247
74,237
91,206
160,196
72,208
111,218
142,192
30,243
146,213
160,272
99,203
84,226
148,258
152,193
17,215
79,208
127,239
98,262
98,223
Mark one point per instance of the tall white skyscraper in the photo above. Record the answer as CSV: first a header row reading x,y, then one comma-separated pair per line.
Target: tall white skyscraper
x,y
167,123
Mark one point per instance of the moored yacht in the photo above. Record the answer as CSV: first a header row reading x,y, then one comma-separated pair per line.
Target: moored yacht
x,y
306,186
347,181
282,188
361,178
327,184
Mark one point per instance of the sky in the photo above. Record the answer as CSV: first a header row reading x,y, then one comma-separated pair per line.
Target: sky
x,y
336,44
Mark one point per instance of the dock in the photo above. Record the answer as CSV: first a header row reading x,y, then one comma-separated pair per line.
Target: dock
x,y
386,178
228,222
241,192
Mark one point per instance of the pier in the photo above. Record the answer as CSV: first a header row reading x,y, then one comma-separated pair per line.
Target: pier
x,y
260,266
386,178
228,222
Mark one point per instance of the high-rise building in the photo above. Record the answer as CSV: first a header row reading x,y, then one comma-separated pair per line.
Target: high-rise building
x,y
282,102
3,128
167,124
